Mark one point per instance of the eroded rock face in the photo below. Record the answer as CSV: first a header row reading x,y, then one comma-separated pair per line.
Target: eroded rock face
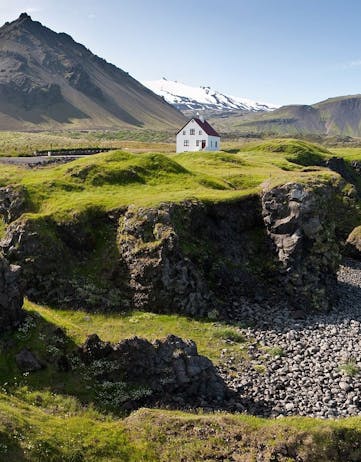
x,y
193,258
12,202
11,296
38,253
298,221
171,368
161,277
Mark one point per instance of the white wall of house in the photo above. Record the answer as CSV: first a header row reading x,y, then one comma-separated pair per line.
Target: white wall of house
x,y
213,143
199,141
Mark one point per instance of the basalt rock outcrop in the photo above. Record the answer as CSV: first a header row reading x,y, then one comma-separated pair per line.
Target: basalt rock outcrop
x,y
161,276
13,202
11,296
192,258
55,259
301,222
171,369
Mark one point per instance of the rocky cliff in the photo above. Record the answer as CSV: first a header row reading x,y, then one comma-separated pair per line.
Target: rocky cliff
x,y
298,222
194,258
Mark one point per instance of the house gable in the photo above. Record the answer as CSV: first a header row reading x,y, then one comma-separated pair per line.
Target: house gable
x,y
204,125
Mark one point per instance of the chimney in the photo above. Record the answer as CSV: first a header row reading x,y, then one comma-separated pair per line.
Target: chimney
x,y
201,118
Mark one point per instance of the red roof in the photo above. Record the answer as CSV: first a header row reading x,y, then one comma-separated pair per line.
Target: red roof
x,y
208,129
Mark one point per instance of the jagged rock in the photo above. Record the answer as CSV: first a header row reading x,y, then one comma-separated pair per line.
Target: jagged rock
x,y
12,202
48,252
171,367
11,296
303,232
42,257
161,277
193,257
353,243
93,348
27,361
338,164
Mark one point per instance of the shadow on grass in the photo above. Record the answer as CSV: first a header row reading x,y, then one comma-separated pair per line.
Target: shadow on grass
x,y
64,374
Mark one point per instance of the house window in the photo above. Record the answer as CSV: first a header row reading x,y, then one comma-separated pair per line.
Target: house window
x,y
192,131
211,143
197,143
184,132
186,143
200,132
216,143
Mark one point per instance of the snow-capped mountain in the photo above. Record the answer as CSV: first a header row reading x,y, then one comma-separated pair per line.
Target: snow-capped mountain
x,y
187,98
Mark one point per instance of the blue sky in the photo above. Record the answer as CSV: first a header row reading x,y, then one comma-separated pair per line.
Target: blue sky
x,y
281,51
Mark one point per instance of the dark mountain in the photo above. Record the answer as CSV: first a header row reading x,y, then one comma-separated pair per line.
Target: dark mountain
x,y
334,116
47,80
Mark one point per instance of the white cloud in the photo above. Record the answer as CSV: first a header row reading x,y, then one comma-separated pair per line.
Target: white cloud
x,y
92,16
355,63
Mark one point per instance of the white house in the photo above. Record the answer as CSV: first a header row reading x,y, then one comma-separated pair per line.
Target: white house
x,y
198,135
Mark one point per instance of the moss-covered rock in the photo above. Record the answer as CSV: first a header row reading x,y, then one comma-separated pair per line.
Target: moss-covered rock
x,y
353,243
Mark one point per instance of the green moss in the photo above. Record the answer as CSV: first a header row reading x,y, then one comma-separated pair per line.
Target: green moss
x,y
2,228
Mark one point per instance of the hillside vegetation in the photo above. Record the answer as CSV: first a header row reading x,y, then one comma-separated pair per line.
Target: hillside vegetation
x,y
48,416
111,180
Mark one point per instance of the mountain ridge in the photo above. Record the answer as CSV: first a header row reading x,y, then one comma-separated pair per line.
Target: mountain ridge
x,y
48,80
336,116
190,99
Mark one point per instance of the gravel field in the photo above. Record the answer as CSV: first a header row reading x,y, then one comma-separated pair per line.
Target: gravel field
x,y
310,366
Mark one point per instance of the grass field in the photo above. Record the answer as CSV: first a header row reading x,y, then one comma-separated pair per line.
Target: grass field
x,y
49,416
26,143
119,178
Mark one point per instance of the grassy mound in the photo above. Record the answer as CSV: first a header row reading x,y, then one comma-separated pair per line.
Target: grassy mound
x,y
298,152
117,179
44,427
121,168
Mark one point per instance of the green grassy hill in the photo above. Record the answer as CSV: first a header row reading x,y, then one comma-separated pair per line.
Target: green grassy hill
x,y
115,179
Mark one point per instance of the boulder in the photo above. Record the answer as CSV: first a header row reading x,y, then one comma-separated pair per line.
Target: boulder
x,y
171,368
27,361
353,243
